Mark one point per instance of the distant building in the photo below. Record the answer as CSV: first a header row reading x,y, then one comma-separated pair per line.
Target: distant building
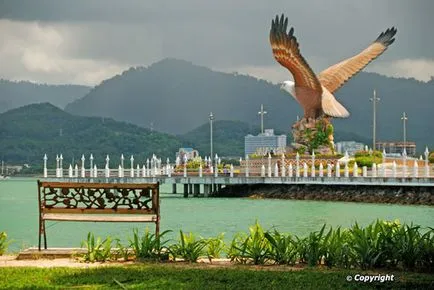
x,y
396,147
349,146
190,153
263,143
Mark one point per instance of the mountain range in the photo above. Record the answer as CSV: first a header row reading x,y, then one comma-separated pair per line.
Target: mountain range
x,y
17,94
176,96
125,114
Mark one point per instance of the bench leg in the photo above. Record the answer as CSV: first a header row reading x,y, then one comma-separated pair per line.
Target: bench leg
x,y
40,233
157,228
43,232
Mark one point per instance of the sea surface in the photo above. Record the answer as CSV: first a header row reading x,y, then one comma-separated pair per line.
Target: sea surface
x,y
206,217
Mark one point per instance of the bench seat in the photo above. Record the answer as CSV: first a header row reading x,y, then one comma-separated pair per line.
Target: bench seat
x,y
99,218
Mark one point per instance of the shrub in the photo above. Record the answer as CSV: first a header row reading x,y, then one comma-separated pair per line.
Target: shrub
x,y
336,248
253,247
311,248
97,251
215,247
283,249
188,247
149,246
4,242
431,157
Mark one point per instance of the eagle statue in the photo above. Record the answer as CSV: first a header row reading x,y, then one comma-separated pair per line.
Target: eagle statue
x,y
315,92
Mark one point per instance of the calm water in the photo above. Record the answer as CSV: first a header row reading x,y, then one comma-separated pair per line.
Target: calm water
x,y
204,216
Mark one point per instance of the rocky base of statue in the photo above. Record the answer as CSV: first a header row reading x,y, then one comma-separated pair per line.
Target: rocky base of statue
x,y
313,135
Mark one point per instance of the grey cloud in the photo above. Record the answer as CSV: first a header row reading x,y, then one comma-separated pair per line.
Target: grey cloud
x,y
225,34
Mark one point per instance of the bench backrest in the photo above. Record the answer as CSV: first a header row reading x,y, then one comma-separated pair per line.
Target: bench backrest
x,y
98,198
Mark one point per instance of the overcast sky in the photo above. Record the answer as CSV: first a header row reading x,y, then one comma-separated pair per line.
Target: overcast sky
x,y
87,41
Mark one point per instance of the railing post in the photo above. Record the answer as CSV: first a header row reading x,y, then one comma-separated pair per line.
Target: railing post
x,y
91,165
83,169
365,171
355,170
374,170
122,166
247,165
312,173
290,170
305,169
45,166
106,171
321,170
61,165
95,171
57,165
276,170
132,166
404,163
200,170
169,174
144,171
297,165
346,170
415,169
216,170
76,171
263,170
138,170
231,174
338,169
185,169
426,162
70,171
269,164
120,171
383,163
329,170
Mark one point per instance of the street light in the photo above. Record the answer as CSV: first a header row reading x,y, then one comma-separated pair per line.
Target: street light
x,y
262,113
404,121
374,101
211,118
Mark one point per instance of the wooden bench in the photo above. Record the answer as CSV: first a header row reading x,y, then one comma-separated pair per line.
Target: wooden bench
x,y
97,202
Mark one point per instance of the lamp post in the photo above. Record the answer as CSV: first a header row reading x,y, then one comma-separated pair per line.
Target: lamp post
x,y
404,122
262,113
374,101
211,118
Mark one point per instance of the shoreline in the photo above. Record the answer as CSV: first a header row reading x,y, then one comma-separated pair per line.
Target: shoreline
x,y
347,193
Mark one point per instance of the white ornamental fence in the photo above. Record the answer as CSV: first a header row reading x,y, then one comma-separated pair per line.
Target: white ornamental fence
x,y
270,167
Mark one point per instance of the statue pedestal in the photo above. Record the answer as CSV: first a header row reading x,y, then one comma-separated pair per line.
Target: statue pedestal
x,y
313,135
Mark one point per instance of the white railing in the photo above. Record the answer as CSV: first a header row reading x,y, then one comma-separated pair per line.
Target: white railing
x,y
277,167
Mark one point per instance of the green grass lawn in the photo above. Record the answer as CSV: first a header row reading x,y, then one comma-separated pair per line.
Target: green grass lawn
x,y
169,276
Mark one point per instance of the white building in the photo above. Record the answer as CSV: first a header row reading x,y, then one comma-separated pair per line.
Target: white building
x,y
190,153
350,146
263,143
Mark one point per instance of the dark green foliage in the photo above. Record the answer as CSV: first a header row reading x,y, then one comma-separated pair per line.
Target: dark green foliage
x,y
366,158
29,132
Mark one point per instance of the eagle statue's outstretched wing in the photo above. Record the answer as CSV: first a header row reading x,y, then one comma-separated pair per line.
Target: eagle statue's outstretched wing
x,y
286,51
335,76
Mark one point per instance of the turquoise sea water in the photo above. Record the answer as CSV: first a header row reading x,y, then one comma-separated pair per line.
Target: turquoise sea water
x,y
204,216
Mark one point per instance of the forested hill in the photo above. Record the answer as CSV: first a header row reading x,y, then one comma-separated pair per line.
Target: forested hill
x,y
27,133
176,96
17,94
